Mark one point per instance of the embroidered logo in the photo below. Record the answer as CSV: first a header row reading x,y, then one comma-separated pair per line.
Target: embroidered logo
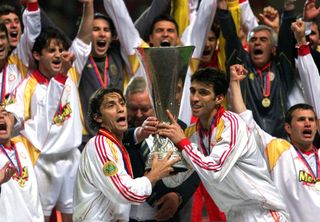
x,y
63,115
308,179
12,78
110,169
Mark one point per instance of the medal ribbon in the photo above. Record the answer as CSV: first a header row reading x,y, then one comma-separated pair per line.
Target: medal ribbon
x,y
103,82
213,124
19,168
305,162
265,80
3,85
125,155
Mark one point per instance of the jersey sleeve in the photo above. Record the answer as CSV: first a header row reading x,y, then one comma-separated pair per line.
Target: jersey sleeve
x,y
310,78
110,176
32,28
81,52
261,137
224,154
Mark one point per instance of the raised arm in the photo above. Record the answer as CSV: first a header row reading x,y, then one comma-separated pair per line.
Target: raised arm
x,y
127,33
248,19
143,23
307,68
32,28
85,28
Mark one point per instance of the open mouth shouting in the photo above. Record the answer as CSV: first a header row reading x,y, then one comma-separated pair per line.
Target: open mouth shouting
x,y
165,43
3,127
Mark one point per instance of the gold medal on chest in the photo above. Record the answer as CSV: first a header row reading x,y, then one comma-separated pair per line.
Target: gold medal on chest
x,y
266,102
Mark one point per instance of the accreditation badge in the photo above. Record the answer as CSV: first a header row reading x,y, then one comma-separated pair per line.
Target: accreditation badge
x,y
110,168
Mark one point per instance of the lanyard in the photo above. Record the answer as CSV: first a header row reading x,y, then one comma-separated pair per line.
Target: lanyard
x,y
18,167
3,85
206,150
103,82
265,80
305,162
213,124
125,155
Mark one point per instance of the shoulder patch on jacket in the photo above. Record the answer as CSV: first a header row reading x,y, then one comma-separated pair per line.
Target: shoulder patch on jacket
x,y
275,149
190,130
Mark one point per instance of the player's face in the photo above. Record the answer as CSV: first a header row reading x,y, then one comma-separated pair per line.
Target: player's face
x,y
260,48
113,114
101,37
50,58
164,33
203,100
6,126
303,127
139,108
13,25
209,48
4,46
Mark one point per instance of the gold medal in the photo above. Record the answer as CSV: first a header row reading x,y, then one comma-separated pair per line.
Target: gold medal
x,y
266,102
251,76
317,185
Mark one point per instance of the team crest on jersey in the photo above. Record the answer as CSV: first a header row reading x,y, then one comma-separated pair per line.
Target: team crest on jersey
x,y
110,168
22,180
12,78
113,70
63,115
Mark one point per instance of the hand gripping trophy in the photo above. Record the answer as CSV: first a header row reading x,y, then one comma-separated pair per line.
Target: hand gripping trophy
x,y
165,71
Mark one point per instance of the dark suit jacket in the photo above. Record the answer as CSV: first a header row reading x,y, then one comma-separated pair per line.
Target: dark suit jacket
x,y
186,189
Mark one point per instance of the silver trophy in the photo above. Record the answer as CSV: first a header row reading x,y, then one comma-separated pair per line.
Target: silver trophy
x,y
165,71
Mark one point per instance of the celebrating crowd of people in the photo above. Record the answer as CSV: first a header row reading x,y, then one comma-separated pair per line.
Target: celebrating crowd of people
x,y
78,122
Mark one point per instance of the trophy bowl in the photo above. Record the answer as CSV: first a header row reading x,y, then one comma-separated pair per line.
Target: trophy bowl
x,y
165,69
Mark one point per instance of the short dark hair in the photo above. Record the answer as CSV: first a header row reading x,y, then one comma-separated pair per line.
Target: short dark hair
x,y
7,8
216,29
108,19
46,35
303,106
164,17
95,102
3,28
214,77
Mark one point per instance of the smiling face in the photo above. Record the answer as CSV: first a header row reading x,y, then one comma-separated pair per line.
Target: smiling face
x,y
203,101
101,37
12,22
164,33
261,48
49,59
302,128
113,114
6,126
